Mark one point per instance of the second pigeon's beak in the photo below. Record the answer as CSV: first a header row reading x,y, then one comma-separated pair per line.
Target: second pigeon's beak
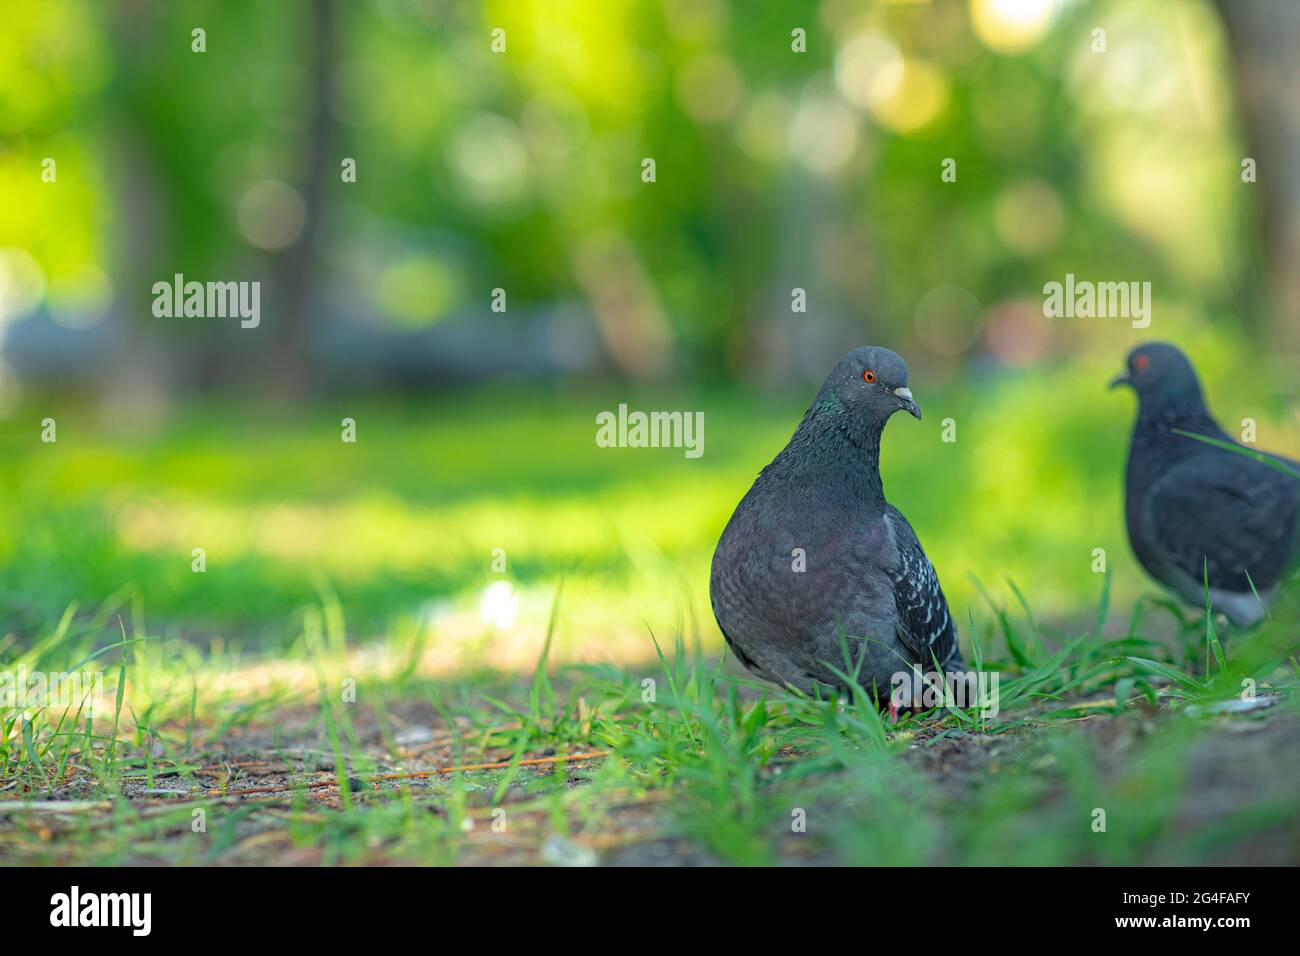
x,y
905,398
1119,380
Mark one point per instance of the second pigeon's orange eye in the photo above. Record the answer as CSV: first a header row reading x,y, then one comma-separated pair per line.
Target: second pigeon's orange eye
x,y
1141,362
868,376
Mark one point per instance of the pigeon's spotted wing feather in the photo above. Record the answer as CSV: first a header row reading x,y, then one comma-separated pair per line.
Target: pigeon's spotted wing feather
x,y
924,623
1227,516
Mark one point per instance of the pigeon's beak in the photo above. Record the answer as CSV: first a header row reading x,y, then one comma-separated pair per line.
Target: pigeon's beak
x,y
905,399
1119,380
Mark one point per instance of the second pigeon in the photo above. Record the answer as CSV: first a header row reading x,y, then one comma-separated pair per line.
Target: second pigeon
x,y
1201,515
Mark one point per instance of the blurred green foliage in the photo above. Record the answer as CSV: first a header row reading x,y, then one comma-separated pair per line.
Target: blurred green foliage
x,y
522,170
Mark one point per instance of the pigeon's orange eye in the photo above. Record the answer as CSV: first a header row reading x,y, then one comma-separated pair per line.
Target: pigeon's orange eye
x,y
868,376
1140,363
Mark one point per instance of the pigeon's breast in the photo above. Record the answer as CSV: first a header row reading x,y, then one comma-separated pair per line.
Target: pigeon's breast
x,y
785,586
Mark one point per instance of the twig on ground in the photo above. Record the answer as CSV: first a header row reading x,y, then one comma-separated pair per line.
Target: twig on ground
x,y
419,774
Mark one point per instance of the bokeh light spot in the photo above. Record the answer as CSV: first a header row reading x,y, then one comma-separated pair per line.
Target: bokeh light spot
x,y
417,290
708,87
919,98
1011,26
500,605
489,156
1029,217
868,70
22,284
823,134
1017,333
271,214
948,320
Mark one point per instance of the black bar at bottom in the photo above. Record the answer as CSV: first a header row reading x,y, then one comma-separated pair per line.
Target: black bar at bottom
x,y
221,906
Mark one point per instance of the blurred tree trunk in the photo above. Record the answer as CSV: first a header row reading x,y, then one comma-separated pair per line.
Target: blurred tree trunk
x,y
289,370
801,346
1264,36
144,368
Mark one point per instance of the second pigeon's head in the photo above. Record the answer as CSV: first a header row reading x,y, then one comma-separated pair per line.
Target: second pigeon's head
x,y
1160,374
870,382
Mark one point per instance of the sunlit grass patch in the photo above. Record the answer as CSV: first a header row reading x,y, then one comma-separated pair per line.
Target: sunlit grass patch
x,y
334,750
411,516
353,679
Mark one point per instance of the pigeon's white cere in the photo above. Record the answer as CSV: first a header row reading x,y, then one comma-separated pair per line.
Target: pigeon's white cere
x,y
904,393
500,605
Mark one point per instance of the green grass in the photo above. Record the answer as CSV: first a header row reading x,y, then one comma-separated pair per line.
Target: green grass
x,y
339,614
734,763
403,525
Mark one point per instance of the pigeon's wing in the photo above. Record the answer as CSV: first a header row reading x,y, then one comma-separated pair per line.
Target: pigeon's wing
x,y
924,624
1226,516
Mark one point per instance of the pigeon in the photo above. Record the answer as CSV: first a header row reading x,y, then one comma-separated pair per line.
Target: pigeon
x,y
1199,514
816,576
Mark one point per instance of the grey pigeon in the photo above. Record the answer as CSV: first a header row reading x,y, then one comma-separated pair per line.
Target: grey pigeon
x,y
1195,510
815,560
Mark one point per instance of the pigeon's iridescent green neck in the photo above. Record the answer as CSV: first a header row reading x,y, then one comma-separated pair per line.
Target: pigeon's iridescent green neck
x,y
834,447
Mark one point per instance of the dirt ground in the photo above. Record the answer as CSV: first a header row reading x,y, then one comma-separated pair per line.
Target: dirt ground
x,y
265,779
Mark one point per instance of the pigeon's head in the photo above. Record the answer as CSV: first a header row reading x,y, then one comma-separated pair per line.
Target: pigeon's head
x,y
1159,373
872,383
